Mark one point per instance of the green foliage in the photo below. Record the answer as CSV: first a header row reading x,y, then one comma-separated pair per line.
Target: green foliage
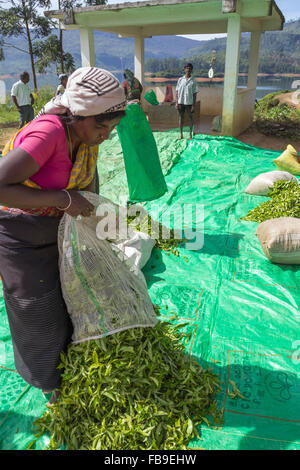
x,y
44,95
284,202
134,390
24,19
173,67
22,13
47,52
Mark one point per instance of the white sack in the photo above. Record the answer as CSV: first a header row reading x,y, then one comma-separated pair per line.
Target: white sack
x,y
261,185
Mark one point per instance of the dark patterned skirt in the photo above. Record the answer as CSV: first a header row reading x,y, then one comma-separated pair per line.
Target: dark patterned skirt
x,y
39,322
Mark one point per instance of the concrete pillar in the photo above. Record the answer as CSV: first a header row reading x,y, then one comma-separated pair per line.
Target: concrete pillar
x,y
253,59
87,47
231,73
139,58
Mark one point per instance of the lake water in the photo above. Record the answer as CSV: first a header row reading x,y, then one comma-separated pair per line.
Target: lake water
x,y
265,85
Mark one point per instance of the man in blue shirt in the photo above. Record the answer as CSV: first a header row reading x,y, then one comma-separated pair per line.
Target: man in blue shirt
x,y
186,95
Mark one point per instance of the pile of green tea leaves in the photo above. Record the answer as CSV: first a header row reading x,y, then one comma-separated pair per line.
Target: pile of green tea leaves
x,y
271,117
156,230
284,202
135,390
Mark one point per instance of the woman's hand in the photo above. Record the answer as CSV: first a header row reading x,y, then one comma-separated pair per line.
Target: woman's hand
x,y
79,205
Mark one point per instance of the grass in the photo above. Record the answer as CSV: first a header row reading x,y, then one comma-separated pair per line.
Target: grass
x,y
9,115
275,118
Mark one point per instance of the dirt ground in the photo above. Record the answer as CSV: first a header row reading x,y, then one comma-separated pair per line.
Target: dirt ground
x,y
5,134
250,136
253,137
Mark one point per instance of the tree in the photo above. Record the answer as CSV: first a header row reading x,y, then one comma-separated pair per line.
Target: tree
x,y
22,18
1,50
66,5
48,52
95,2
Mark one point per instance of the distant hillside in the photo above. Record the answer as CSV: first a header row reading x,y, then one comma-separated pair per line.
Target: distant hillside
x,y
292,26
287,40
280,52
111,52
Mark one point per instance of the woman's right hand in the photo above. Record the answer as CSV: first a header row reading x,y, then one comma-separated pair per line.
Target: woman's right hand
x,y
79,205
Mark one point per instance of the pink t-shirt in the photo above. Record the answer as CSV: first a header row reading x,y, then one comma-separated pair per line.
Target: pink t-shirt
x,y
44,139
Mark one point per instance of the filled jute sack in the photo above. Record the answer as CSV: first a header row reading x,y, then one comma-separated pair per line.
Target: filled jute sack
x,y
280,239
288,161
263,183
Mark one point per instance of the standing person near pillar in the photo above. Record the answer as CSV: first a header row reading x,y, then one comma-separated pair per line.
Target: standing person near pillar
x,y
23,99
186,95
132,86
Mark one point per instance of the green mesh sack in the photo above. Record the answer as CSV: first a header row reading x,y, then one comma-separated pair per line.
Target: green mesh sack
x,y
144,174
150,96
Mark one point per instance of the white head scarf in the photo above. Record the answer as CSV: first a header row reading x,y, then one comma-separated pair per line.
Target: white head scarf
x,y
90,91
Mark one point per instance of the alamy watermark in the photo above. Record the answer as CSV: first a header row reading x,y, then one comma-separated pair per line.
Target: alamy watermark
x,y
118,222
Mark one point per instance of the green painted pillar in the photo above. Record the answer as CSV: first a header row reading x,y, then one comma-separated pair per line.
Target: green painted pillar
x,y
139,58
87,47
231,73
253,59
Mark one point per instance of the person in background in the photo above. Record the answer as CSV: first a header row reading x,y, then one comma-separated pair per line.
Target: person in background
x,y
23,99
186,95
132,87
169,94
63,83
43,169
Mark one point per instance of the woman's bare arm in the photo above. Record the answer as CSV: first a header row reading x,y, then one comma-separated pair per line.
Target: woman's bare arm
x,y
17,167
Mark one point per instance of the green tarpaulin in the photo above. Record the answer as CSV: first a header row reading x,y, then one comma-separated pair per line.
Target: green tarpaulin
x,y
241,311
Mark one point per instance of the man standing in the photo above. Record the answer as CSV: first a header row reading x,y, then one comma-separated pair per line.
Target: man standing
x,y
186,95
23,99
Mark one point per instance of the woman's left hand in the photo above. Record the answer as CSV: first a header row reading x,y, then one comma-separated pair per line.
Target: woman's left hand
x,y
79,205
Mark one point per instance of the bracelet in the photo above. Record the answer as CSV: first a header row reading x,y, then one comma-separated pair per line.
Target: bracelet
x,y
70,201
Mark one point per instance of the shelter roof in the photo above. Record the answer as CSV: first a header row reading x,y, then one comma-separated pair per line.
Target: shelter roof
x,y
170,17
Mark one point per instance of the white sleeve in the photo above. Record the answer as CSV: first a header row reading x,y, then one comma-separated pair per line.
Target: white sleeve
x,y
14,90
